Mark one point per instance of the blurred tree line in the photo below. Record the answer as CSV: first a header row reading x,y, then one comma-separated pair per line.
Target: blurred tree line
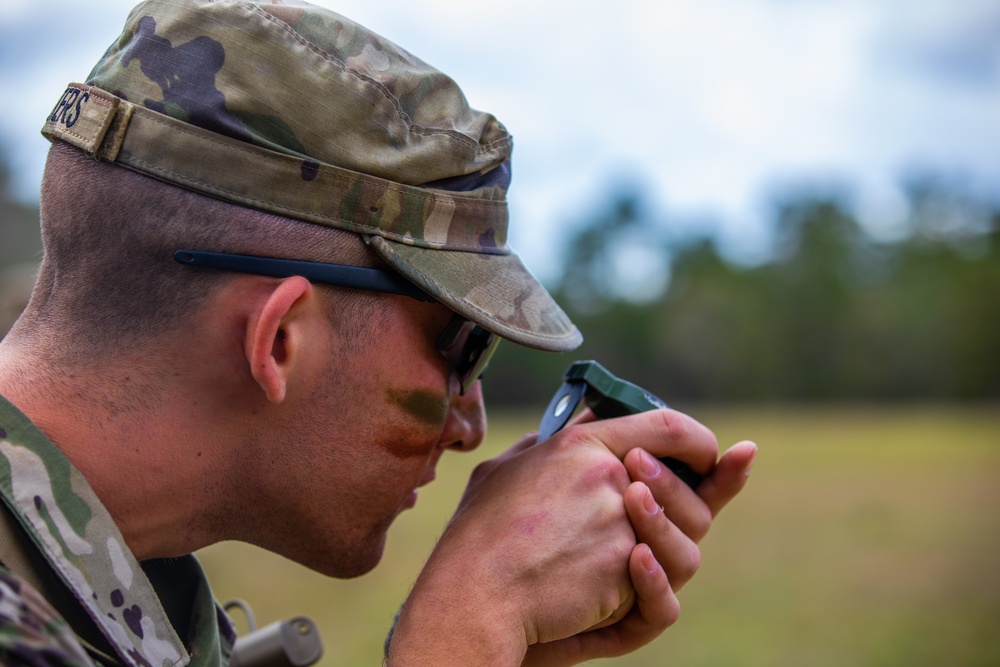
x,y
835,313
20,247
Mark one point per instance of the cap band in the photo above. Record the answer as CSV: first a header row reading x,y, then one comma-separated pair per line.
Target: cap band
x,y
111,128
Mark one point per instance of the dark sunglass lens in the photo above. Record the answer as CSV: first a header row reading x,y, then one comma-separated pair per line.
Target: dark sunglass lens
x,y
467,347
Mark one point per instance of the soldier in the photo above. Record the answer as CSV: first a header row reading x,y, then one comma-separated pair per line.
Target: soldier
x,y
275,266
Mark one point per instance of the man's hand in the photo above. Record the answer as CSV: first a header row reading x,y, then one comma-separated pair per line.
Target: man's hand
x,y
537,551
542,551
669,520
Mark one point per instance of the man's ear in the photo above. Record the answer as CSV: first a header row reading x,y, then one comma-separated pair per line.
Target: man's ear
x,y
274,338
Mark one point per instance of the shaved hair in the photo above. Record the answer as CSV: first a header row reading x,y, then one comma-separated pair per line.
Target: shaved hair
x,y
108,282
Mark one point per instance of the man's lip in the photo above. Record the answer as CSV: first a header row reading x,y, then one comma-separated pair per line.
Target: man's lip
x,y
428,477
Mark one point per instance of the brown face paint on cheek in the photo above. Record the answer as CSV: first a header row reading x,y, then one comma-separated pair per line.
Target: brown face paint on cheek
x,y
430,410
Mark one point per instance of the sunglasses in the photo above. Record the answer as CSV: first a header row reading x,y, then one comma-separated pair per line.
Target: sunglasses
x,y
466,346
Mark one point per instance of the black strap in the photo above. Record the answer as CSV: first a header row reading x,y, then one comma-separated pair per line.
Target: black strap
x,y
22,557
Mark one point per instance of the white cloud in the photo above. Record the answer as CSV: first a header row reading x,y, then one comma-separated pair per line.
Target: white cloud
x,y
707,101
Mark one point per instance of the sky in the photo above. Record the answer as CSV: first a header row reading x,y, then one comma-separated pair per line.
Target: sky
x,y
710,107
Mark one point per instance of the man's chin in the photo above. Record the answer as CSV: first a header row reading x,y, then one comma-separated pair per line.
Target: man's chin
x,y
350,563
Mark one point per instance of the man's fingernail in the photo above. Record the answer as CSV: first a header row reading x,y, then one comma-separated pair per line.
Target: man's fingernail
x,y
649,465
649,562
753,459
649,503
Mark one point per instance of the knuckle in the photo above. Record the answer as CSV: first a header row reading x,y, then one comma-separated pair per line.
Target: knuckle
x,y
566,442
702,522
617,560
668,483
691,564
482,471
613,571
666,419
616,604
571,436
664,529
681,428
673,613
577,442
600,467
713,442
674,424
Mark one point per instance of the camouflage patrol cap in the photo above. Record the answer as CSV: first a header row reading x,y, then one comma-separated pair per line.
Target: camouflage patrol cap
x,y
293,109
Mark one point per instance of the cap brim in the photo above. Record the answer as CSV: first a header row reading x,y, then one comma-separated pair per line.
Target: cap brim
x,y
497,292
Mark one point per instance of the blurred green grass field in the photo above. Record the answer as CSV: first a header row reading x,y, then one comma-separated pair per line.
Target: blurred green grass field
x,y
867,536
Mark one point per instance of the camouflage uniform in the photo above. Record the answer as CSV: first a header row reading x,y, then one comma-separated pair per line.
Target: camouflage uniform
x,y
76,536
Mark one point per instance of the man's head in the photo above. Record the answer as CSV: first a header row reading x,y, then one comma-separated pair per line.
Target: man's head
x,y
280,130
320,408
298,111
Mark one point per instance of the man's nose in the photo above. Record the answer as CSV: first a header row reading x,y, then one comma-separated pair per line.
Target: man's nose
x,y
465,427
